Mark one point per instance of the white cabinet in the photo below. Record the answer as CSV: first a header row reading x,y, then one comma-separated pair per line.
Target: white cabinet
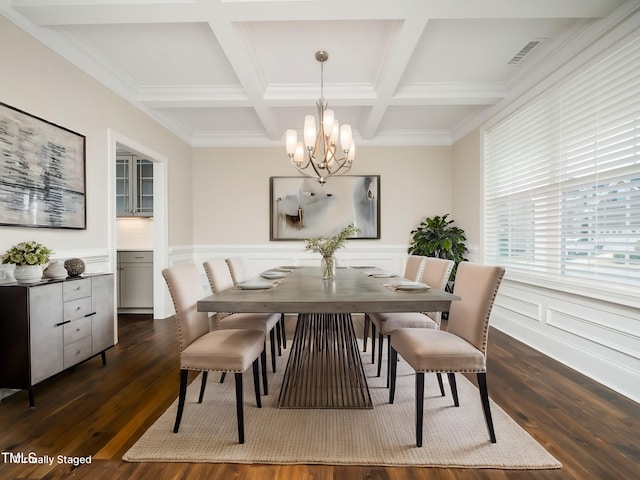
x,y
135,281
53,325
134,186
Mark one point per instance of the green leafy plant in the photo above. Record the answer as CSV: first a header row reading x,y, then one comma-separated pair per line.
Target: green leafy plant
x,y
437,237
27,253
326,246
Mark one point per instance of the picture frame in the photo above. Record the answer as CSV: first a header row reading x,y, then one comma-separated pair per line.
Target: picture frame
x,y
42,172
300,207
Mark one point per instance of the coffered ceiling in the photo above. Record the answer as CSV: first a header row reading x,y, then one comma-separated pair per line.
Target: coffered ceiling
x,y
240,72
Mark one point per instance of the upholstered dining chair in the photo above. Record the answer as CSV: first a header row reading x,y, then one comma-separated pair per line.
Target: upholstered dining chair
x,y
461,349
436,274
220,279
239,275
412,271
204,350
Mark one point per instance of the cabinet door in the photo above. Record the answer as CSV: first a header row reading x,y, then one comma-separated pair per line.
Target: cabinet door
x,y
103,322
136,285
144,188
123,187
46,332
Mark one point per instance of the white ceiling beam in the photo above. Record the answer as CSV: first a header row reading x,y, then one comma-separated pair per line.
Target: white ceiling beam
x,y
92,12
234,42
393,63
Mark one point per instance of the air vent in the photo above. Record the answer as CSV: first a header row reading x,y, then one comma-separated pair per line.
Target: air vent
x,y
525,51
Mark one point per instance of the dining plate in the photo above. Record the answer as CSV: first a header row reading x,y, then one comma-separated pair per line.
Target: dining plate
x,y
256,284
410,286
362,266
290,267
382,275
273,274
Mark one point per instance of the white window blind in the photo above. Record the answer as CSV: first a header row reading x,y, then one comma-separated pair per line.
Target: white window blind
x,y
562,178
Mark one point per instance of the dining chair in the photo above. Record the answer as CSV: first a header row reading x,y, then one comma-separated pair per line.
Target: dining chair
x,y
460,349
204,350
436,274
239,275
412,271
219,278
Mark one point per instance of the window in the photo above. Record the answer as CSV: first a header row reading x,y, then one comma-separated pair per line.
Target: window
x,y
562,178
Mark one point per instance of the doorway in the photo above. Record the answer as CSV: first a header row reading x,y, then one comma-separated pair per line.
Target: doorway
x,y
158,233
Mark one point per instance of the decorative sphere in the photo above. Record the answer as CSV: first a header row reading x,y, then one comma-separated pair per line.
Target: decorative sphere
x,y
74,266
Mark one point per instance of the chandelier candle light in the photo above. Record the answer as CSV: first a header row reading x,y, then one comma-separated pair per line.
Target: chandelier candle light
x,y
322,158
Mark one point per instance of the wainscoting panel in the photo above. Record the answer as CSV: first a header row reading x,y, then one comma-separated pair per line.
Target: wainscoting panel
x,y
597,338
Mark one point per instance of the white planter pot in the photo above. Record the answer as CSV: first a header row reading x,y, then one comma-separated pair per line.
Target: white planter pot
x,y
28,273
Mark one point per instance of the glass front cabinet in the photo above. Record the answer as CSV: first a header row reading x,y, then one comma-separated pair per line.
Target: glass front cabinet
x,y
134,186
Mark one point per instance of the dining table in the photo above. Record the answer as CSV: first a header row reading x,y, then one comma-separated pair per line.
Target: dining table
x,y
324,369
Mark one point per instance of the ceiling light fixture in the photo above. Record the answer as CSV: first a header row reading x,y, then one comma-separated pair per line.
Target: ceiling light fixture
x,y
321,160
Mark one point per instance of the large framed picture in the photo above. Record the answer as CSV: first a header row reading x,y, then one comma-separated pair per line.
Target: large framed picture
x,y
302,208
42,172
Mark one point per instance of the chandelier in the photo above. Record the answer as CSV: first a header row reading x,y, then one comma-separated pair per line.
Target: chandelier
x,y
321,159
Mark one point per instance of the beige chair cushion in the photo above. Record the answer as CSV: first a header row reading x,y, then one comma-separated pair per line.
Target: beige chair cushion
x,y
218,274
186,289
236,268
414,268
477,286
251,321
388,322
428,350
223,350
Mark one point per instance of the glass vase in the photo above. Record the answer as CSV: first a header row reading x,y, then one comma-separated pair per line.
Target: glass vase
x,y
328,266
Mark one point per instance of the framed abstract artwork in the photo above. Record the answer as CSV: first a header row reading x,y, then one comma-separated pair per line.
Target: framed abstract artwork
x,y
302,208
42,172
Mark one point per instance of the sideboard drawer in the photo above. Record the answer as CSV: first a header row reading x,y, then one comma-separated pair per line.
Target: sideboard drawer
x,y
77,351
77,308
76,289
77,330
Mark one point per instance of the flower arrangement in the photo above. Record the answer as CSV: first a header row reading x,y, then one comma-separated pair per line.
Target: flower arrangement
x,y
326,246
27,253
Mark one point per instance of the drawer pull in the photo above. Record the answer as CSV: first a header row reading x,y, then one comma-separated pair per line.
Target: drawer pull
x,y
62,323
78,288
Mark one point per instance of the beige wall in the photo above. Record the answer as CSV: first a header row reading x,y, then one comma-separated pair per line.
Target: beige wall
x,y
467,184
40,82
231,190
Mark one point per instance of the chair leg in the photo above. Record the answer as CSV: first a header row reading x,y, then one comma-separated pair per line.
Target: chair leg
x,y
380,343
284,331
203,385
373,343
388,358
184,377
484,396
272,340
365,332
279,337
419,407
454,388
239,407
393,369
263,363
223,375
440,384
256,383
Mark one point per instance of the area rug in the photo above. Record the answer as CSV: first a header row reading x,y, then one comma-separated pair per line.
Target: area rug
x,y
382,436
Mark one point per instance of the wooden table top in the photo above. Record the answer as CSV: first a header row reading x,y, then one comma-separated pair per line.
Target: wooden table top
x,y
351,291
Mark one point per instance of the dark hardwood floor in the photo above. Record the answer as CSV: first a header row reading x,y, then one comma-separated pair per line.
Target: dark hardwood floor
x,y
101,411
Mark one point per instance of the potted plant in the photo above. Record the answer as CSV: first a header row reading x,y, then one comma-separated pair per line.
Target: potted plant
x,y
28,257
326,246
437,237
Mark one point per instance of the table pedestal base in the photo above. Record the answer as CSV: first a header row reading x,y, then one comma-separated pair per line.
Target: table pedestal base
x,y
324,368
